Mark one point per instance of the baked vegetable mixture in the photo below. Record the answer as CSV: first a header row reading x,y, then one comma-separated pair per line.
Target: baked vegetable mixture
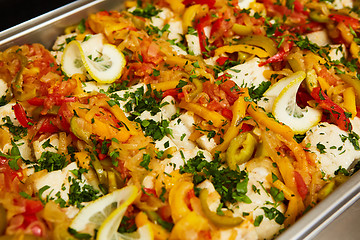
x,y
180,119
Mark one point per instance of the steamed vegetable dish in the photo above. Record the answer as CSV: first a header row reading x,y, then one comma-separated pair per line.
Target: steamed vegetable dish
x,y
180,119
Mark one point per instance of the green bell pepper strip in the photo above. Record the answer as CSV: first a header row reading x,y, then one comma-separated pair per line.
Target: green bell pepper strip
x,y
220,221
240,149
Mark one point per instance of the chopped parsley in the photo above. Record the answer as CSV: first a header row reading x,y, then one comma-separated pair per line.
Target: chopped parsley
x,y
51,162
146,161
230,184
148,11
257,93
79,193
157,130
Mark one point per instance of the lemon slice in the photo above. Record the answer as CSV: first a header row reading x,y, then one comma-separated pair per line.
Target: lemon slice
x,y
288,112
107,67
71,62
276,88
105,213
104,62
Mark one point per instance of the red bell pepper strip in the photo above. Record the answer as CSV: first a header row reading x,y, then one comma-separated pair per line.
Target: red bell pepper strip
x,y
20,115
210,3
200,27
300,184
278,57
335,110
349,21
36,101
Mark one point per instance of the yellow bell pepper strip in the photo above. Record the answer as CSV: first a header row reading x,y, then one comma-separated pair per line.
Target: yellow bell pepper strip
x,y
242,48
190,13
176,6
120,116
163,86
177,61
190,227
216,118
353,82
263,119
219,221
177,195
240,149
261,41
239,111
159,233
241,30
350,101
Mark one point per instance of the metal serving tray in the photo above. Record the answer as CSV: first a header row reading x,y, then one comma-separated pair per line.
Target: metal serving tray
x,y
45,28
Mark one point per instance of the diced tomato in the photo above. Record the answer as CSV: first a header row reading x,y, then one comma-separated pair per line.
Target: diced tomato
x,y
214,105
8,174
65,116
300,184
149,191
335,110
20,115
231,89
49,125
348,21
171,92
305,28
221,60
174,93
227,113
297,15
33,206
246,127
221,27
325,73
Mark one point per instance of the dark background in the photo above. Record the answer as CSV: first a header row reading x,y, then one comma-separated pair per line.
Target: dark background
x,y
13,12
